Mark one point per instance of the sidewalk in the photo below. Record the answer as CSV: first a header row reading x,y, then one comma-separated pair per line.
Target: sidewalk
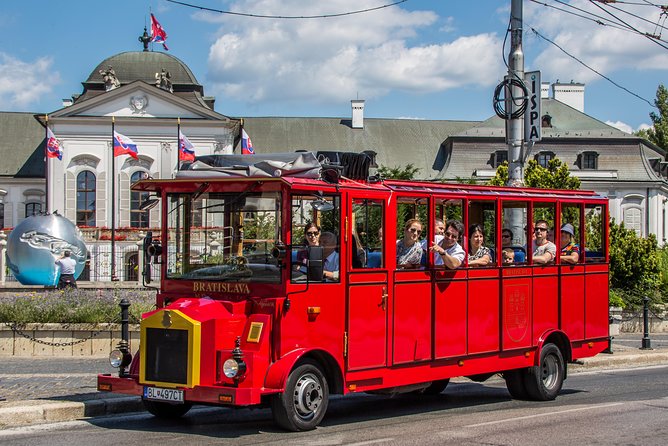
x,y
39,390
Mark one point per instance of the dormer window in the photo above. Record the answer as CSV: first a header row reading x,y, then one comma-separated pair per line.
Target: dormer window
x,y
543,158
546,121
499,157
589,160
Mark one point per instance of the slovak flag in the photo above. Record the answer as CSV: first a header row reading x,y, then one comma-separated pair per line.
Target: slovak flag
x,y
246,144
158,34
186,149
53,149
124,146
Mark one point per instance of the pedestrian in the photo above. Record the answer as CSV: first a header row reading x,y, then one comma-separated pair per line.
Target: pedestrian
x,y
67,267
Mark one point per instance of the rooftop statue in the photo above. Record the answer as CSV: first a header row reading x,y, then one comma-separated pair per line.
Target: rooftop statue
x,y
164,80
110,79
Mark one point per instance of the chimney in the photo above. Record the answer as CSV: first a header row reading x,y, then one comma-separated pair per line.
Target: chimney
x,y
545,90
358,113
571,94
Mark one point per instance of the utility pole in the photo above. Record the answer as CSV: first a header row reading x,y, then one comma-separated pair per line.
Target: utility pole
x,y
515,98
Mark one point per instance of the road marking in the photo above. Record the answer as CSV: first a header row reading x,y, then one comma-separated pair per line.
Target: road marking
x,y
363,443
547,414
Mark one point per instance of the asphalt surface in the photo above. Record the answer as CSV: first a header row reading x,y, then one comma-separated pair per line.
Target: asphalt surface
x,y
42,390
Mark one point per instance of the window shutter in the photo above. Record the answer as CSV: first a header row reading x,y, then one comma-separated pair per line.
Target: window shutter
x,y
101,200
70,197
124,200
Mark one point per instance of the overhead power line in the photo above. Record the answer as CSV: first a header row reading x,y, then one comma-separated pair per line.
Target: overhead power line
x,y
590,68
266,16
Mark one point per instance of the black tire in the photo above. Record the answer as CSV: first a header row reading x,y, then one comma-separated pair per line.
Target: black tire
x,y
166,410
544,381
436,387
304,402
515,383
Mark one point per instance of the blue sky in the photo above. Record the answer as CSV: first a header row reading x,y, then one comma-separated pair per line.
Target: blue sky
x,y
424,59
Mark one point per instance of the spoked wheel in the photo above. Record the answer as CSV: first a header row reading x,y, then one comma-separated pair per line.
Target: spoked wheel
x,y
167,410
544,381
304,402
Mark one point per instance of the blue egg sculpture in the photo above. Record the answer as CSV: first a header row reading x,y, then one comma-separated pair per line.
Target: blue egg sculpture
x,y
34,245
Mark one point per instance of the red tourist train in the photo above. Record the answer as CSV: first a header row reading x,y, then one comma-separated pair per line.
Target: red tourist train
x,y
285,279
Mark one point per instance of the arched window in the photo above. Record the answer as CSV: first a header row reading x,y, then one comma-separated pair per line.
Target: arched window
x,y
138,217
2,215
33,209
86,198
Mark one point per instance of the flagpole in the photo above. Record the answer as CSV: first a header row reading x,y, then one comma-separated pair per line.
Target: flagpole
x,y
113,202
178,143
46,163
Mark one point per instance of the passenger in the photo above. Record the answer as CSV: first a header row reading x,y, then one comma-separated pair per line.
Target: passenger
x,y
331,264
508,256
409,248
479,255
506,237
448,251
439,229
545,251
570,251
312,238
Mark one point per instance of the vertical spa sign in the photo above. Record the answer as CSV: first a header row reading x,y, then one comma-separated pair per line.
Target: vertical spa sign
x,y
532,118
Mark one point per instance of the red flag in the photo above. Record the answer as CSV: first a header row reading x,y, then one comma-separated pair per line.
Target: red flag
x,y
158,34
186,149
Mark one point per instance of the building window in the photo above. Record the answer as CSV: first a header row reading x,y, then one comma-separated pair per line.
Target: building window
x,y
500,156
33,209
589,160
138,217
2,215
543,158
546,121
86,198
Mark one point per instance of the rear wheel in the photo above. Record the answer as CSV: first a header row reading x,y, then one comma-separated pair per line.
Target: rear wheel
x,y
436,387
515,383
544,381
304,403
167,410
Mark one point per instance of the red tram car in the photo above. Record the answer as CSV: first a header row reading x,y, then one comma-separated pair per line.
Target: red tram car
x,y
249,311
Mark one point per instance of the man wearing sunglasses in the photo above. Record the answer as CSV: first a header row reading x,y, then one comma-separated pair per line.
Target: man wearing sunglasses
x,y
545,251
448,251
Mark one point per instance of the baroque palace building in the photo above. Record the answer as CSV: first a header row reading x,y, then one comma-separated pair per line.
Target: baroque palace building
x,y
146,94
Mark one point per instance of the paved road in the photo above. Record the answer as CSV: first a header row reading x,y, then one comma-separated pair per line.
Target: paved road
x,y
73,380
625,406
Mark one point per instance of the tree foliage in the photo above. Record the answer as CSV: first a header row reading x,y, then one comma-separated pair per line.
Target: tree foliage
x,y
555,176
635,264
658,134
398,173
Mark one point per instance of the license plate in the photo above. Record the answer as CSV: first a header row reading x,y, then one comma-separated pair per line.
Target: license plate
x,y
156,393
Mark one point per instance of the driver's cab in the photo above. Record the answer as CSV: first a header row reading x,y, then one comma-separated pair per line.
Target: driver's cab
x,y
315,238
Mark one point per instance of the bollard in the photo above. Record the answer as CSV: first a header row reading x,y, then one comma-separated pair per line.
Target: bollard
x,y
124,344
646,343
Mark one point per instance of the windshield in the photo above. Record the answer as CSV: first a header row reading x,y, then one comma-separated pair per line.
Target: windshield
x,y
223,236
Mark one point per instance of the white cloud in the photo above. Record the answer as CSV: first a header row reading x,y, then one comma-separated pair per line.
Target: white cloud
x,y
23,83
323,60
606,49
644,126
624,127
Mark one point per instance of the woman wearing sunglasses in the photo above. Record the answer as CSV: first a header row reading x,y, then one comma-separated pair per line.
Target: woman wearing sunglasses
x,y
312,236
409,248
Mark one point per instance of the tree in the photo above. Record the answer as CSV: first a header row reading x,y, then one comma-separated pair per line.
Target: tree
x,y
658,134
555,176
398,173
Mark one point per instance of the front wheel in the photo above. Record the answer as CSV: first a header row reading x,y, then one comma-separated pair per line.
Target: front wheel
x,y
544,381
303,404
167,410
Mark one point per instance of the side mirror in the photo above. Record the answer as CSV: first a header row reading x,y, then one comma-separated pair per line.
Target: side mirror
x,y
155,250
279,250
315,269
146,245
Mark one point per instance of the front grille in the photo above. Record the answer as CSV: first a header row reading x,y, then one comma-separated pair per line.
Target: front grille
x,y
167,355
